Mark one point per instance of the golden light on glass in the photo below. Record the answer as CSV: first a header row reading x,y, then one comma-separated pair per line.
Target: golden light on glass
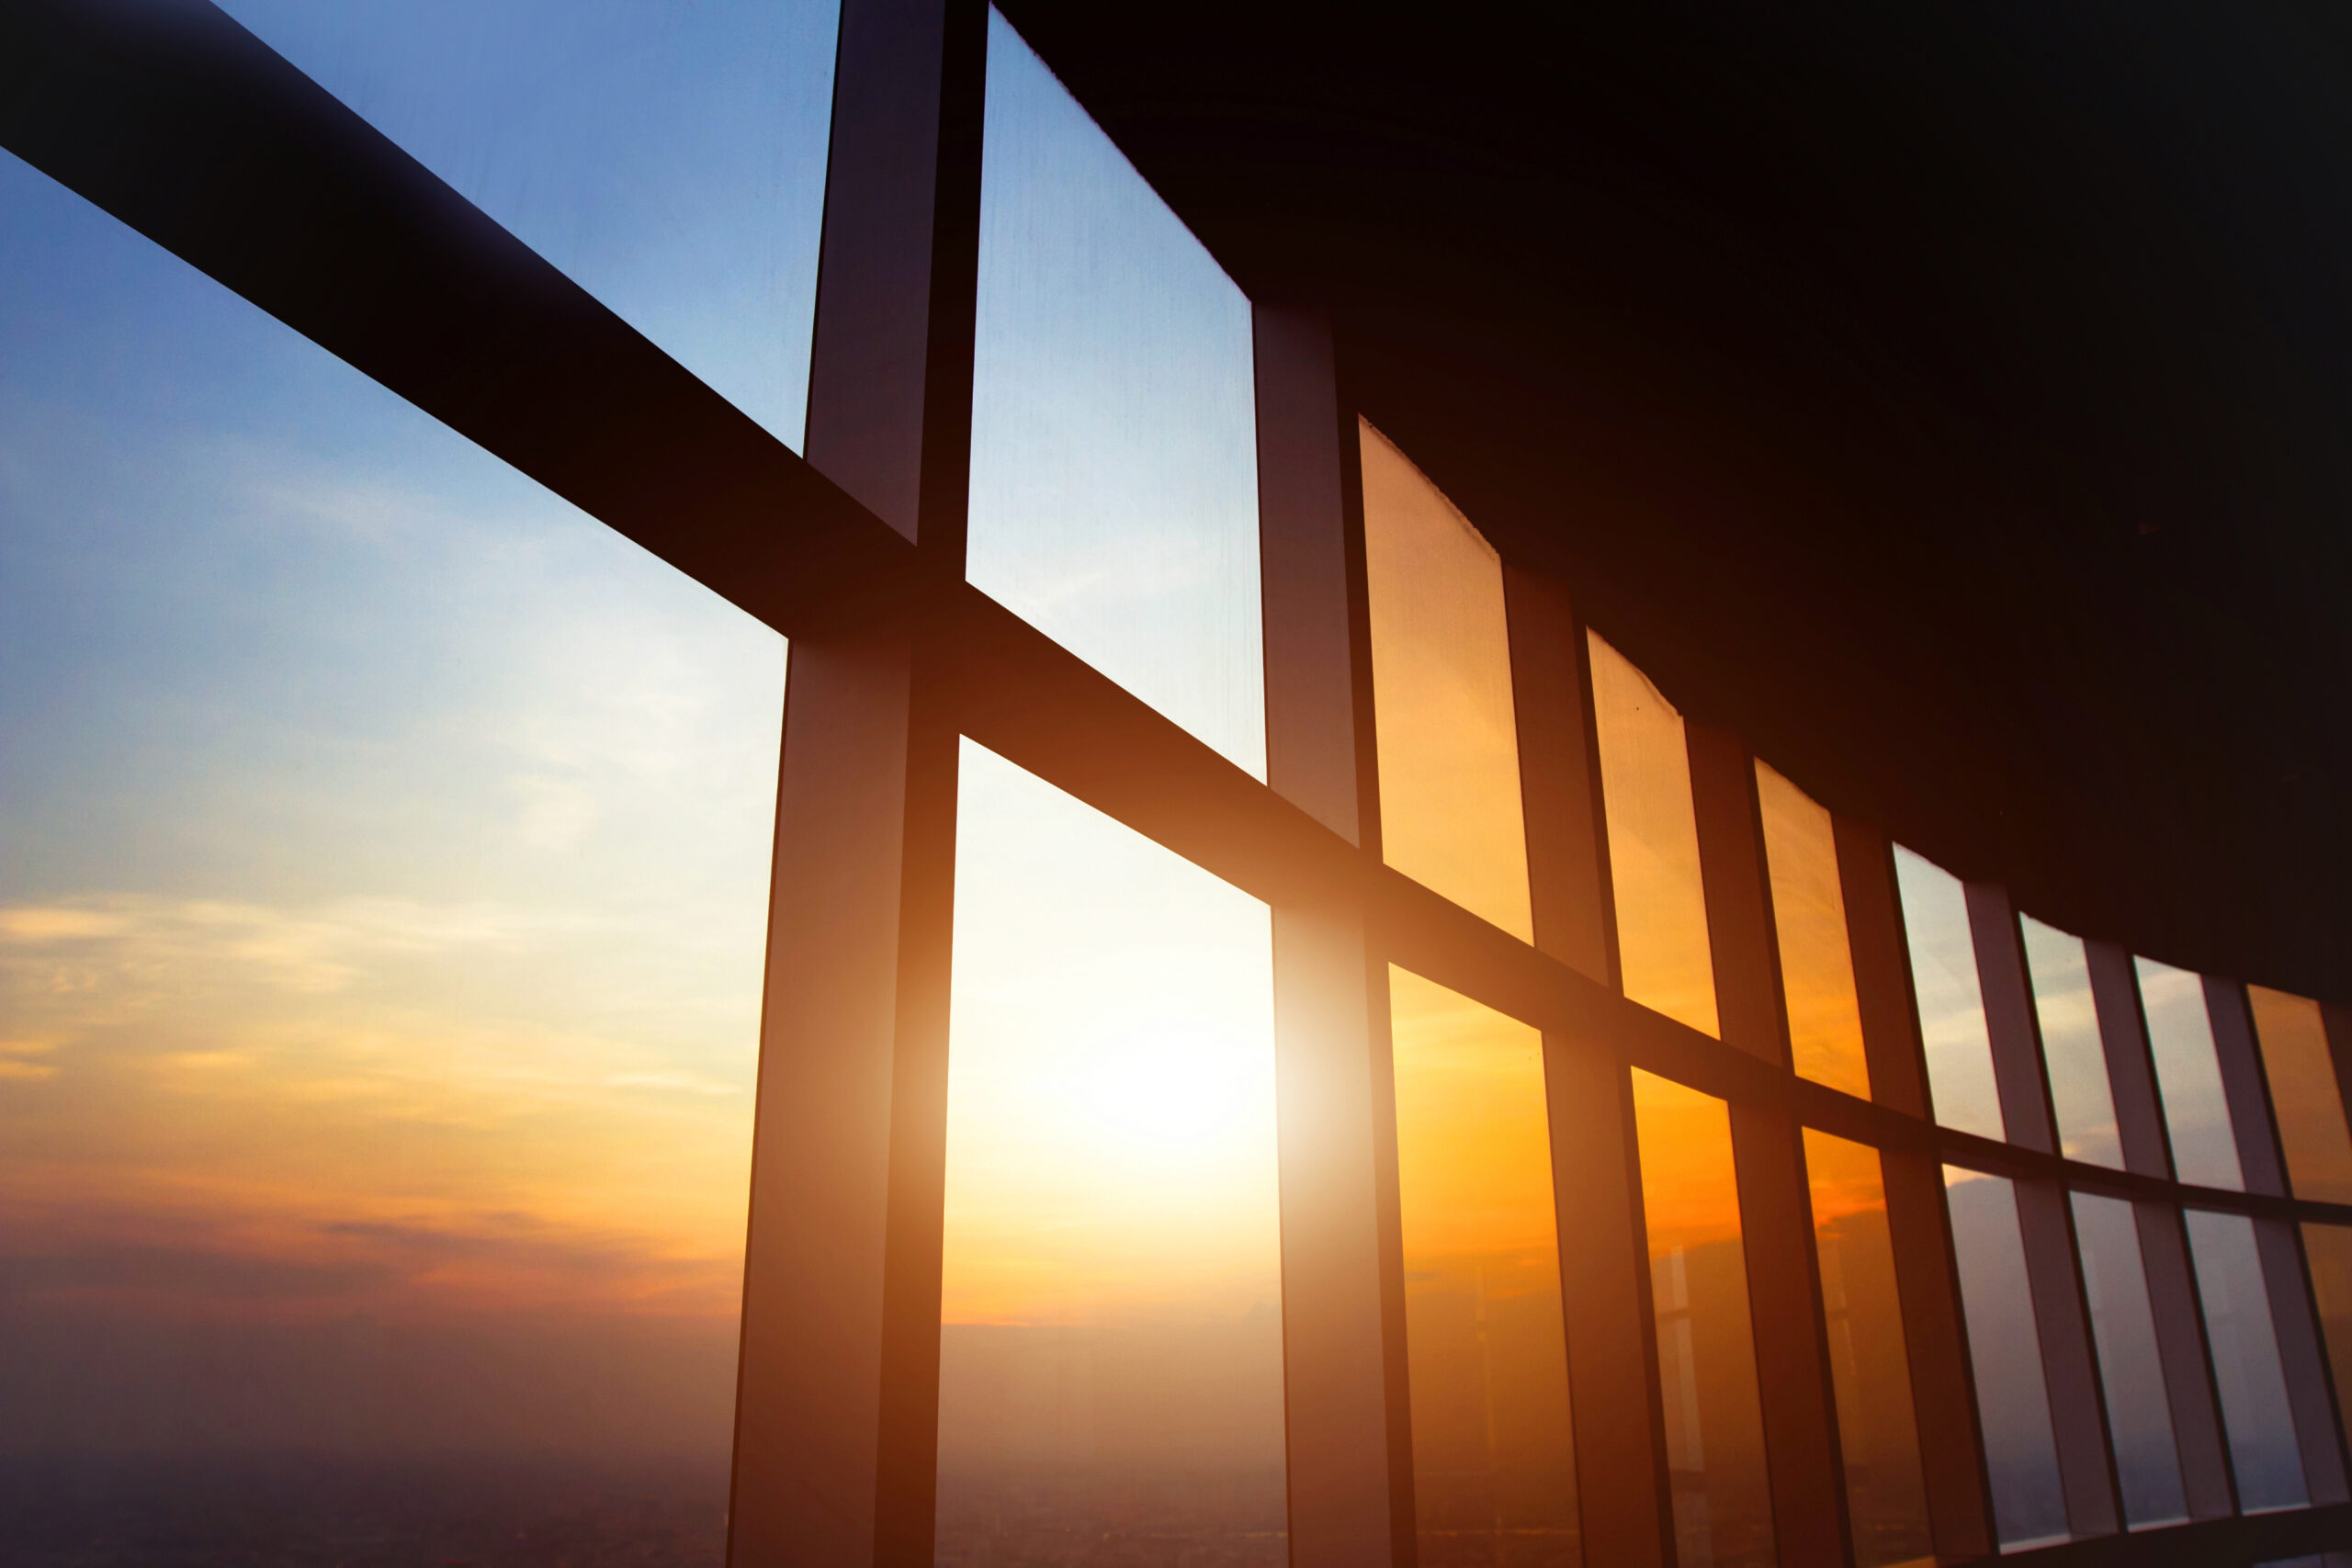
x,y
1706,1347
2304,1092
1494,1463
1652,843
1870,1371
1447,741
1809,917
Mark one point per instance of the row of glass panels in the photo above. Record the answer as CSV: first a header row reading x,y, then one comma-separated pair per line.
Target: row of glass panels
x,y
357,1114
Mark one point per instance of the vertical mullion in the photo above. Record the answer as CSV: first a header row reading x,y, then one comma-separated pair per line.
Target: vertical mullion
x,y
2130,1071
1342,1404
837,1390
2189,1390
1625,1501
2010,1021
1951,1454
2295,1323
2045,1221
1801,1439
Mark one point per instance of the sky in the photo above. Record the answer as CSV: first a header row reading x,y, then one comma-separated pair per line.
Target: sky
x,y
383,853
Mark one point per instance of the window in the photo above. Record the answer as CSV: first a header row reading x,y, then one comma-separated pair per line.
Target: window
x,y
1494,1462
2071,1047
1863,1310
2246,1363
1952,1002
385,852
1440,678
1809,919
2303,1093
1652,843
2003,1343
1115,476
1111,1361
1706,1349
2197,1113
2138,1420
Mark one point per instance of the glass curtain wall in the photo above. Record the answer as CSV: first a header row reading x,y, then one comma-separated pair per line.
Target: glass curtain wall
x,y
1886,1492
2131,1375
2246,1368
2004,1351
1809,920
1447,733
2304,1094
1951,997
1115,455
1111,1359
383,880
2071,1047
2189,1076
1706,1345
1662,944
1493,1459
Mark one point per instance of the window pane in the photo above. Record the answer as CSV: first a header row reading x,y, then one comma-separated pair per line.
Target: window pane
x,y
384,850
1706,1349
671,159
2130,1368
2012,1401
1652,843
2304,1095
1809,917
2071,1044
1951,1005
2328,1250
2180,1037
1110,1313
1114,457
1494,1462
1885,1489
2246,1363
1441,678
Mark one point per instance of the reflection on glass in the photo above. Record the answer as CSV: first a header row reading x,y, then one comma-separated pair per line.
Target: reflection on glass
x,y
1706,1347
2253,1385
1952,1004
1886,1492
1809,916
1652,843
1494,1461
2071,1044
2304,1095
2012,1400
2188,1075
2328,1250
671,159
2130,1368
383,872
1111,1329
1114,455
1441,679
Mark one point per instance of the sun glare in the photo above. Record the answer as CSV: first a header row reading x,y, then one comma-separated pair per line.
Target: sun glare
x,y
1170,1093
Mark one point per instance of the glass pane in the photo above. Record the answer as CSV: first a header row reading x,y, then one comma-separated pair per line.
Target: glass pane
x,y
1652,843
2005,1347
669,158
1809,917
2246,1363
2328,1250
383,878
1114,447
1885,1490
2071,1044
1493,1459
1441,679
2303,1093
2131,1372
2197,1113
1111,1364
1951,1005
1706,1349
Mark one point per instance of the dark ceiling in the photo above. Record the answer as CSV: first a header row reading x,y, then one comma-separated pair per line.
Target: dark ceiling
x,y
1955,397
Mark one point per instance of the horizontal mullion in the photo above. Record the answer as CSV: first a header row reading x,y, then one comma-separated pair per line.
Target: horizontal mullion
x,y
174,120
2247,1538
